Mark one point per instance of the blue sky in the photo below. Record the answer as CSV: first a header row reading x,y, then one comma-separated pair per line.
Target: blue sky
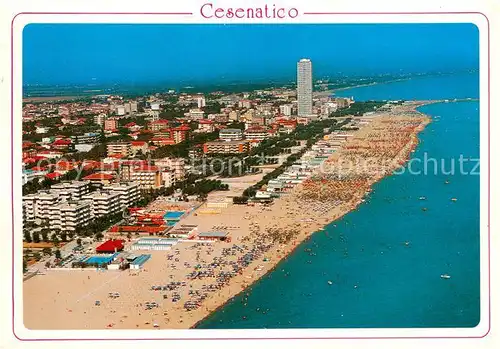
x,y
156,53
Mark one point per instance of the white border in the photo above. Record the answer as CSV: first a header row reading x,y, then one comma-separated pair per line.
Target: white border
x,y
481,330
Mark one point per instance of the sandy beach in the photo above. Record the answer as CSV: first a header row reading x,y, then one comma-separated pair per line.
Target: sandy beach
x,y
209,274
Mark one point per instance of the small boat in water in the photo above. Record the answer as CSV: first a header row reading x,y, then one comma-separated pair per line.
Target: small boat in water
x,y
422,198
447,182
454,199
329,282
445,276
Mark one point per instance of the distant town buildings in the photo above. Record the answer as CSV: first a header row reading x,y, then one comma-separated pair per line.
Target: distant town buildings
x,y
200,101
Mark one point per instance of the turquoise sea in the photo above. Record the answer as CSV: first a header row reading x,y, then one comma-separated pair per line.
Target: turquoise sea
x,y
385,259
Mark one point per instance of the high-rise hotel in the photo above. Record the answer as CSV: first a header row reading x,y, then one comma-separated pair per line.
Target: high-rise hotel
x,y
304,87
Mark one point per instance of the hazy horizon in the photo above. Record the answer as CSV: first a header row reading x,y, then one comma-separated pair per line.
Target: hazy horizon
x,y
148,54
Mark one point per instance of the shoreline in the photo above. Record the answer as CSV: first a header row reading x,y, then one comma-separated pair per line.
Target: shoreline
x,y
351,207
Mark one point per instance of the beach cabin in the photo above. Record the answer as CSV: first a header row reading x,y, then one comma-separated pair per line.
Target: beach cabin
x,y
215,235
154,244
139,262
185,231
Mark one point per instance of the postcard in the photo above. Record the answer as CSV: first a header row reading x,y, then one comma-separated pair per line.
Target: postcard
x,y
248,170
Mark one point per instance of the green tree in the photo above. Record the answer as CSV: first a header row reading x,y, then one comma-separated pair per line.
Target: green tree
x,y
36,237
45,235
27,236
54,239
98,236
58,254
47,251
79,242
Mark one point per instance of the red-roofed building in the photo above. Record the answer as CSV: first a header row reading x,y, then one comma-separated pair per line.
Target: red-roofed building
x,y
206,125
112,166
66,166
158,125
51,154
287,126
29,160
27,144
29,153
124,229
110,246
257,134
110,124
61,144
161,141
99,177
53,175
135,146
180,133
91,165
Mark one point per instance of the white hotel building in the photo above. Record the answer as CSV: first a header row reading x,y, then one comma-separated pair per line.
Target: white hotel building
x,y
39,205
129,192
103,203
69,205
71,190
67,216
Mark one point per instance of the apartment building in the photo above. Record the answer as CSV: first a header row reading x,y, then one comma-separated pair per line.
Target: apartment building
x,y
231,134
129,192
200,101
234,115
67,216
86,138
206,126
71,191
136,146
226,147
175,164
195,114
148,177
39,205
99,119
180,133
167,177
110,124
119,148
256,134
286,109
103,203
158,125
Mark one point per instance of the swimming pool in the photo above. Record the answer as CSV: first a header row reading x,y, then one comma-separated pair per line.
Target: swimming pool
x,y
173,215
100,259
